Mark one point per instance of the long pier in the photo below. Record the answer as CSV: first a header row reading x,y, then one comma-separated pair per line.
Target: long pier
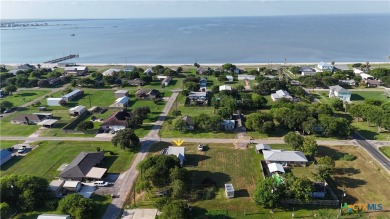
x,y
71,56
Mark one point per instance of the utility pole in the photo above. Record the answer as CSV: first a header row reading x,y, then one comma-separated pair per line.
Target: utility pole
x,y
90,105
134,194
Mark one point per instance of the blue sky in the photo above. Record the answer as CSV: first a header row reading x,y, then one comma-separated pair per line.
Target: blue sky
x,y
14,9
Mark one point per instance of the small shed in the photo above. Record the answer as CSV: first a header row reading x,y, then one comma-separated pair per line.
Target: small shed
x,y
275,167
73,186
261,147
121,102
121,93
53,216
56,186
229,190
54,101
5,156
77,110
48,123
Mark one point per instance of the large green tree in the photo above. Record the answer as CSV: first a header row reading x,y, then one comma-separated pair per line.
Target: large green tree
x,y
125,138
309,146
293,139
324,167
77,206
268,193
174,210
301,188
85,125
24,192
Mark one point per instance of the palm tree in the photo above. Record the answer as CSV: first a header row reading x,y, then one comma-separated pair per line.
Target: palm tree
x,y
333,62
368,67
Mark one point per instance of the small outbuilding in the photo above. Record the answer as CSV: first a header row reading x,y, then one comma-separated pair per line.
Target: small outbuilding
x,y
261,147
53,216
72,186
121,93
121,102
48,123
179,152
57,187
275,168
229,190
77,110
54,101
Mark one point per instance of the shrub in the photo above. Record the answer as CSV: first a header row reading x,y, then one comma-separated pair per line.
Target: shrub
x,y
348,157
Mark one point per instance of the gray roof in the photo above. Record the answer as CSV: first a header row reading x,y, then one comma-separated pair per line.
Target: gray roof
x,y
179,152
72,93
338,89
29,117
121,91
117,119
82,164
263,147
283,156
188,120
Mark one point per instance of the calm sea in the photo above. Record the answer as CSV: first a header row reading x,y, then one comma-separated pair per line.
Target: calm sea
x,y
340,38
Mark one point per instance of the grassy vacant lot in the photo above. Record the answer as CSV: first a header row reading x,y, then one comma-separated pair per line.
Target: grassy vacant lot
x,y
359,96
45,159
370,132
7,144
8,129
385,150
21,97
364,180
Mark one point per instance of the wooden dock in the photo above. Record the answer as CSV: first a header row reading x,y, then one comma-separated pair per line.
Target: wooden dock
x,y
71,56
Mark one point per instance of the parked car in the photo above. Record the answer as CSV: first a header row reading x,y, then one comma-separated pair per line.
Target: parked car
x,y
22,149
10,149
7,110
200,147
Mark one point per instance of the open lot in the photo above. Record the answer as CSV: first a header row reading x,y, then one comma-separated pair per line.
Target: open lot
x,y
45,159
370,132
385,150
7,144
357,96
21,97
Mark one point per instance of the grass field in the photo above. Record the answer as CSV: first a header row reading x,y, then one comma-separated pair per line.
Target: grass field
x,y
364,180
357,96
8,129
21,97
370,132
7,144
385,150
45,159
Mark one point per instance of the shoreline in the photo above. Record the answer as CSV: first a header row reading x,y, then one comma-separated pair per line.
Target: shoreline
x,y
191,64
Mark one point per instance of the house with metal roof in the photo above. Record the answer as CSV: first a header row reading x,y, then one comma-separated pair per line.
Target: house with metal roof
x,y
325,66
246,77
110,72
28,119
77,110
285,157
179,152
83,166
307,71
166,81
53,216
281,94
5,155
339,92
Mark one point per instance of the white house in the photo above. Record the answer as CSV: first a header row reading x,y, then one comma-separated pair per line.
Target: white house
x,y
53,216
324,66
225,87
54,101
339,92
110,72
365,76
307,71
121,102
179,152
261,147
246,77
228,125
357,71
77,110
166,81
230,78
281,94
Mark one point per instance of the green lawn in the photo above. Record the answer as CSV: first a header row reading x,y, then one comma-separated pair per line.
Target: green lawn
x,y
21,97
7,144
8,129
370,132
45,159
385,150
360,96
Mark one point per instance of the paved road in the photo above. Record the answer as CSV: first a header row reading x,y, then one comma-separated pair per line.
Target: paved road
x,y
127,180
373,151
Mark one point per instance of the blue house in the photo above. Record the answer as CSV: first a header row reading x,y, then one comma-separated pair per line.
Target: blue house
x,y
5,155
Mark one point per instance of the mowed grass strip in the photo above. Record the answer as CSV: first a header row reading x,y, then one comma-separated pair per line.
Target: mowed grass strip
x,y
7,144
385,150
9,129
21,97
50,155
